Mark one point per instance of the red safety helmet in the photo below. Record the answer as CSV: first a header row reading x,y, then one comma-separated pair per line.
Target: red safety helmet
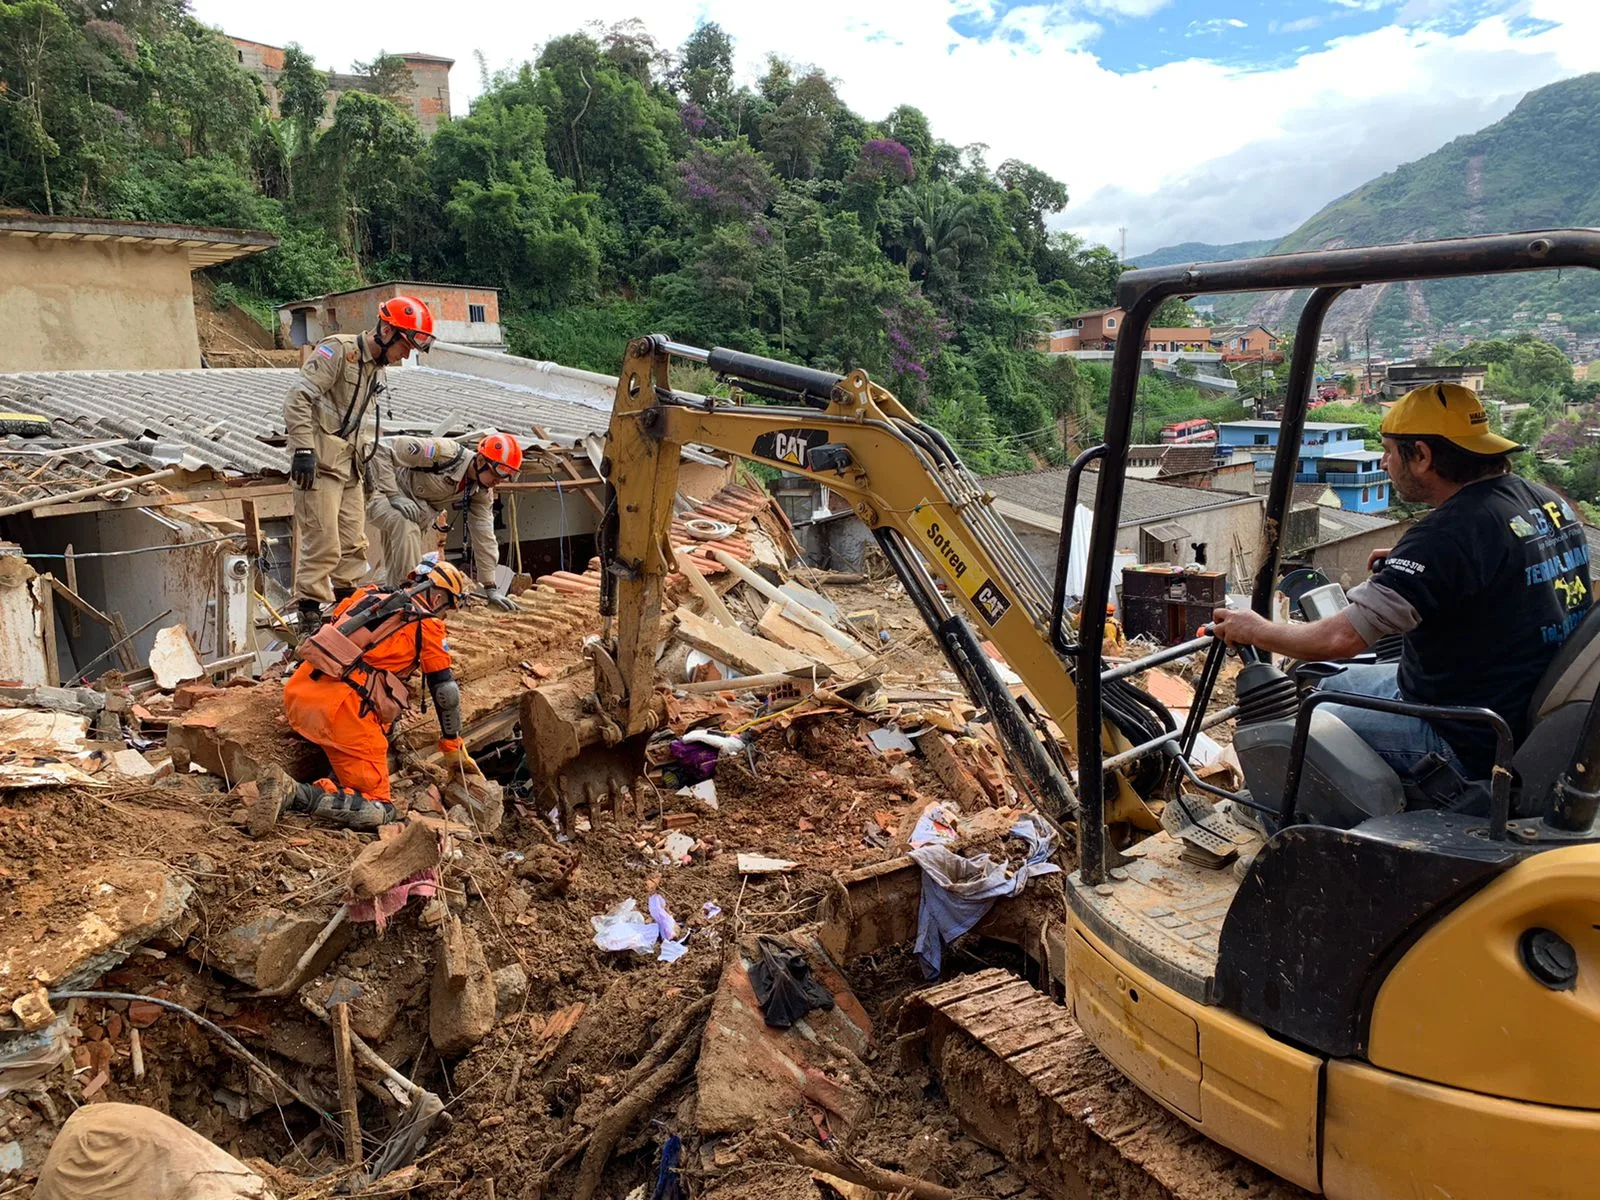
x,y
504,451
410,318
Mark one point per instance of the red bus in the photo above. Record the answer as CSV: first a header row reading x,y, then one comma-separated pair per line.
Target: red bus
x,y
1186,433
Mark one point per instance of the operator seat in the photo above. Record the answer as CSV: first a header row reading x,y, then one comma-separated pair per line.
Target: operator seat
x,y
1344,783
1556,713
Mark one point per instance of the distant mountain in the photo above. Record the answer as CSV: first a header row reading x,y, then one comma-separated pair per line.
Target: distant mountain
x,y
1188,252
1536,168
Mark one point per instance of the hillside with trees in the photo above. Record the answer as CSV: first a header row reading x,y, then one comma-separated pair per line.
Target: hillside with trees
x,y
610,185
1536,168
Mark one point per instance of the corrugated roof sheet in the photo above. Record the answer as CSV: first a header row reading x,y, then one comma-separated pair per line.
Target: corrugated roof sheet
x,y
227,419
1336,524
1142,500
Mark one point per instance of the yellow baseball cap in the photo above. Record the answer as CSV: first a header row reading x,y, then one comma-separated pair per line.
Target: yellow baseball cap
x,y
1450,411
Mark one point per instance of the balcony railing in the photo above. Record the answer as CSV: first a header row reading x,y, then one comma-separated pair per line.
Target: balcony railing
x,y
1354,478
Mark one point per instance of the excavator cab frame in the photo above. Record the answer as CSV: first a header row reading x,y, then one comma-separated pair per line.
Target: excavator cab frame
x,y
1328,274
1368,1010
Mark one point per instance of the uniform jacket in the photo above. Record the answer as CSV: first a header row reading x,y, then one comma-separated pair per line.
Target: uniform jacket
x,y
333,407
433,472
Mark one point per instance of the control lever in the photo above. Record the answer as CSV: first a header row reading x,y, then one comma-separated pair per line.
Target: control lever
x,y
1247,654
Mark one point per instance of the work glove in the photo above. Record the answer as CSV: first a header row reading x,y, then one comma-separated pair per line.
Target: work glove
x,y
494,596
303,469
458,758
406,507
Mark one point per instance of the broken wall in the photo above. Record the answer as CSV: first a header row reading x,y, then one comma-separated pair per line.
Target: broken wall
x,y
22,633
85,306
138,586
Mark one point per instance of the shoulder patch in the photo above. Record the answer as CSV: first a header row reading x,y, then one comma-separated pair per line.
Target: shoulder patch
x,y
352,355
325,350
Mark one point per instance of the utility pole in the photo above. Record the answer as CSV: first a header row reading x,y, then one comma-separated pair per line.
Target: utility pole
x,y
1368,336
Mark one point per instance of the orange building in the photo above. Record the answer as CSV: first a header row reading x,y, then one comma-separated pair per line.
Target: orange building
x,y
427,99
463,316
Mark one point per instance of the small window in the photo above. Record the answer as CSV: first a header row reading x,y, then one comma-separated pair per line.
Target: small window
x,y
475,314
1111,322
241,55
1366,494
1261,439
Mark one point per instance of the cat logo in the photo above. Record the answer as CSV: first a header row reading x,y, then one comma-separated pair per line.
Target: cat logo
x,y
943,544
1521,528
792,446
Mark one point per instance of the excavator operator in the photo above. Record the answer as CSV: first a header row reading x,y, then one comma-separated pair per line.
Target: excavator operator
x,y
417,478
1485,589
351,688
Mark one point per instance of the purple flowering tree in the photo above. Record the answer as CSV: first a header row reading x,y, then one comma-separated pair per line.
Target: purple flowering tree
x,y
915,334
885,159
724,182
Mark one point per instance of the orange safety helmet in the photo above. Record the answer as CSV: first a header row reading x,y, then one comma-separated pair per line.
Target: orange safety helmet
x,y
447,578
504,450
410,317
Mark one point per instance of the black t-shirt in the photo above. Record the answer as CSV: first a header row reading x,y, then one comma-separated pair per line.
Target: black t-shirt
x,y
1499,574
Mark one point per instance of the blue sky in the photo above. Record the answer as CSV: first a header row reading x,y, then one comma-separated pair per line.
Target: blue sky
x,y
1179,120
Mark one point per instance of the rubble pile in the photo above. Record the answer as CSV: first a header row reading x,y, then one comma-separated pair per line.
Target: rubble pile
x,y
510,992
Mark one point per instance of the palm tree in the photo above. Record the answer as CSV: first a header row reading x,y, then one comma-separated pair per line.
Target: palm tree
x,y
941,229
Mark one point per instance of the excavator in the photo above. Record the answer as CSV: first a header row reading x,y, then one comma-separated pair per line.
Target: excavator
x,y
1360,990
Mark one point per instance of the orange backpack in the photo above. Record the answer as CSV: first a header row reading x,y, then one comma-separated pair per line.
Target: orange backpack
x,y
339,650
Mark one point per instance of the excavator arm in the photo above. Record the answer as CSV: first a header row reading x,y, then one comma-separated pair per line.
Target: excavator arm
x,y
934,521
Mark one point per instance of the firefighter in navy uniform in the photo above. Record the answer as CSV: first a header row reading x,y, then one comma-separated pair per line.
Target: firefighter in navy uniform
x,y
350,689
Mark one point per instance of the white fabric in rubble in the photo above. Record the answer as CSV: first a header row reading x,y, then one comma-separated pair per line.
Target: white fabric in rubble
x,y
958,891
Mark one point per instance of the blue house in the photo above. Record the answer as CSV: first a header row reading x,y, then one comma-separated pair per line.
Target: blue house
x,y
1330,454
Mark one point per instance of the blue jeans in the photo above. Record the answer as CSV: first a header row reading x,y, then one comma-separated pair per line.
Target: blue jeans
x,y
1402,742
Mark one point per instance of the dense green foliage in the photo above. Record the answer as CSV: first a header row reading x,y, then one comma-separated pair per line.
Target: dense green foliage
x,y
609,187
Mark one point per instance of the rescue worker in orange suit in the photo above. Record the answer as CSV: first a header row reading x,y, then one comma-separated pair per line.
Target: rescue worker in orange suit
x,y
414,479
351,688
331,418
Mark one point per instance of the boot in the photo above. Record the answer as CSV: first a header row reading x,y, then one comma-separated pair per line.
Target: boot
x,y
310,614
341,594
346,807
274,788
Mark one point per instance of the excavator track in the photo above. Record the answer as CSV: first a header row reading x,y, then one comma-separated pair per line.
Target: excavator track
x,y
1023,1079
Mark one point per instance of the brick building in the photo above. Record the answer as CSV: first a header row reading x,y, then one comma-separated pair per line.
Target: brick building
x,y
1097,330
427,99
462,316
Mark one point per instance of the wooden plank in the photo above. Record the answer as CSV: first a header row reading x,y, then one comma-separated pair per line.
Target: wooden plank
x,y
47,609
345,1066
548,485
752,655
252,529
715,608
74,621
570,469
190,496
77,604
119,628
775,626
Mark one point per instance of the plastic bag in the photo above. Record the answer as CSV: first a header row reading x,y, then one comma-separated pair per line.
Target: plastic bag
x,y
624,927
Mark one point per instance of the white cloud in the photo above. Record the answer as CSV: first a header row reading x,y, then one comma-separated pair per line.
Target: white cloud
x,y
1190,149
